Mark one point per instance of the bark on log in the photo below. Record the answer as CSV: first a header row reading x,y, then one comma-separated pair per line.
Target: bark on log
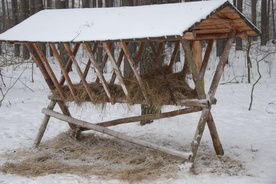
x,y
115,134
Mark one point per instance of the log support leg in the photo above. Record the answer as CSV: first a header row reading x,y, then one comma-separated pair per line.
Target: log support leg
x,y
44,124
199,132
214,135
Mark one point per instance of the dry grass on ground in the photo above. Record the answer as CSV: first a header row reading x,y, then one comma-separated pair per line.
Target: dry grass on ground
x,y
109,158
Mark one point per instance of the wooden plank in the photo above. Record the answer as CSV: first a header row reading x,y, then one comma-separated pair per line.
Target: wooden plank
x,y
98,70
63,69
49,70
84,82
116,68
103,63
132,65
211,36
206,31
116,134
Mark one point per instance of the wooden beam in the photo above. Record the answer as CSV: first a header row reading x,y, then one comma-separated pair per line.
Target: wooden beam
x,y
40,65
214,135
197,53
132,65
49,69
63,69
98,70
116,134
220,67
84,82
69,63
116,68
189,36
103,62
148,117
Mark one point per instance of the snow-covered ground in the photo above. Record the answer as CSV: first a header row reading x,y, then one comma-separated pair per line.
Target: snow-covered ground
x,y
248,137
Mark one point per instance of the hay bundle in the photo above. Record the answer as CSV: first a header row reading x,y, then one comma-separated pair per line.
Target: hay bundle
x,y
155,84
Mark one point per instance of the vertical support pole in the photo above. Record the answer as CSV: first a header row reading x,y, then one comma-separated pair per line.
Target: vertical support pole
x,y
197,54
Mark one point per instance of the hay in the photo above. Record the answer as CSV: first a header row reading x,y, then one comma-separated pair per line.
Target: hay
x,y
93,154
155,84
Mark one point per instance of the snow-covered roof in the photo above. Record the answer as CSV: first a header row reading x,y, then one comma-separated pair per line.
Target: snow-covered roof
x,y
119,23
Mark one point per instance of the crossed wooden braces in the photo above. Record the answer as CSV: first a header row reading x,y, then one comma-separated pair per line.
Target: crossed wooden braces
x,y
197,68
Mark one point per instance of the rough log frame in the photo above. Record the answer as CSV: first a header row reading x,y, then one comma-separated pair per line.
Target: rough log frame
x,y
87,67
72,57
49,81
63,69
206,115
115,134
149,117
116,68
49,69
132,65
98,70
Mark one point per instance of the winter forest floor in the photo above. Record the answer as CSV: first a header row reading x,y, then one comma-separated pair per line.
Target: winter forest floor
x,y
248,137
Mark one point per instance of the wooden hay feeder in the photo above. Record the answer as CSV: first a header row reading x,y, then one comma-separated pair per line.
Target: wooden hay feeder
x,y
182,25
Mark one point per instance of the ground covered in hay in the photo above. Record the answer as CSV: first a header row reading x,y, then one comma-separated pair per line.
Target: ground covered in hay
x,y
108,158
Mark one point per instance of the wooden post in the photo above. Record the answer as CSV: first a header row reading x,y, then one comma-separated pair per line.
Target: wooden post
x,y
44,124
116,134
214,135
199,132
197,54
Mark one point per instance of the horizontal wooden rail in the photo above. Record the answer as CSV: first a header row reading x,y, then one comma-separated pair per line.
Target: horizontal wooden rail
x,y
115,134
184,102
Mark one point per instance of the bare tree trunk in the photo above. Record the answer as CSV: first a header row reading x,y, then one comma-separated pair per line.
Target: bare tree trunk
x,y
24,6
85,3
15,21
273,19
264,23
254,14
239,40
